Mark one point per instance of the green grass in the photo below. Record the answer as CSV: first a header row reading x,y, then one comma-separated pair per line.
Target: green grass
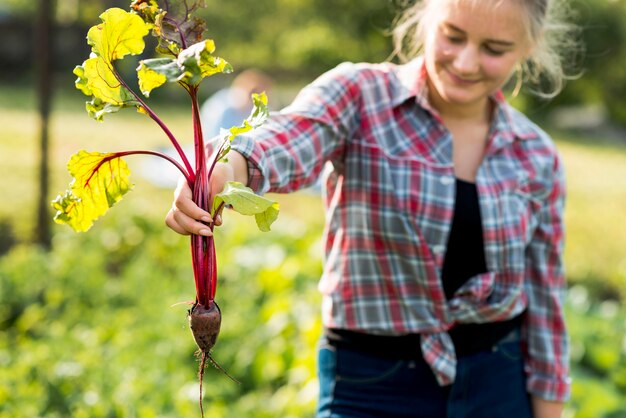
x,y
596,205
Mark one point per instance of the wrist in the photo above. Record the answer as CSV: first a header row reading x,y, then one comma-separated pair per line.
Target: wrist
x,y
546,409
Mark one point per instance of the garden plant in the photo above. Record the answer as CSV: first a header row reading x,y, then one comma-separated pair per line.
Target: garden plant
x,y
101,179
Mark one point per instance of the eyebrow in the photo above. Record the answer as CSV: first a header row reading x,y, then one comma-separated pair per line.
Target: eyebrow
x,y
492,41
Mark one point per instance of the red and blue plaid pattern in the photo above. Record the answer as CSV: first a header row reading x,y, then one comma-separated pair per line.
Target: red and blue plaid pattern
x,y
389,186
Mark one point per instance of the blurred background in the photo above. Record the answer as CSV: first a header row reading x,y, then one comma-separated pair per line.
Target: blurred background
x,y
87,326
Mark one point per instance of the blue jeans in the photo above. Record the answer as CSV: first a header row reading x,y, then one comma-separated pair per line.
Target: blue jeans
x,y
489,384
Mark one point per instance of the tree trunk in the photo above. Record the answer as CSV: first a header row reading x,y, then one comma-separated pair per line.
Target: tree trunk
x,y
42,60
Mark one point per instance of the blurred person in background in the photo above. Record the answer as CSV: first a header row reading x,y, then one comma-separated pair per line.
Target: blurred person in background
x,y
443,281
230,106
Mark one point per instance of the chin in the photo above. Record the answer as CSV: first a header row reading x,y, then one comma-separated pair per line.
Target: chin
x,y
461,97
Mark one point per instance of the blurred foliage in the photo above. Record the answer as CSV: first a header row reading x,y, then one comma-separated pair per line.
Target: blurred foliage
x,y
600,77
598,335
604,24
96,335
296,40
306,37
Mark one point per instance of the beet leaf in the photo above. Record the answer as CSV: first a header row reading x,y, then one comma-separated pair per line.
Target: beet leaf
x,y
100,180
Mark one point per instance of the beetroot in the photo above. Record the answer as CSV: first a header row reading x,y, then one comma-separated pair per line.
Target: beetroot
x,y
205,326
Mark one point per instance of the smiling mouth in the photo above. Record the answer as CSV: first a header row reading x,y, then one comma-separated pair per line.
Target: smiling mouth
x,y
461,80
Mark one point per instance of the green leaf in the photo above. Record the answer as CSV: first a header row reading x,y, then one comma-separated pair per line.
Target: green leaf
x,y
100,181
96,108
81,81
245,201
198,62
192,65
260,112
153,73
257,117
120,33
266,218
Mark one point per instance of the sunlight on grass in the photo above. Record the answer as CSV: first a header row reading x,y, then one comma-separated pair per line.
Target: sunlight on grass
x,y
596,204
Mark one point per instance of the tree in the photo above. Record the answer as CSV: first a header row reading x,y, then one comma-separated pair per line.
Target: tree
x,y
43,61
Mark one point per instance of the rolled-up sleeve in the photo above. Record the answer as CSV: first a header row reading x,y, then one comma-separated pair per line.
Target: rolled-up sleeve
x,y
290,150
547,363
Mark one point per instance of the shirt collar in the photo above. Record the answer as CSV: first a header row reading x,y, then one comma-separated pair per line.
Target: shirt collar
x,y
412,80
412,84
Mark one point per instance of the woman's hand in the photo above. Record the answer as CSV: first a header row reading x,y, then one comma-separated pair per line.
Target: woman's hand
x,y
546,409
185,217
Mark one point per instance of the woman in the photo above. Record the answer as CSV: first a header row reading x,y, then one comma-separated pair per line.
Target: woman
x,y
443,280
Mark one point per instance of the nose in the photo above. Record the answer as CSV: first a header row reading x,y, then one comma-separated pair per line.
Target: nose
x,y
466,61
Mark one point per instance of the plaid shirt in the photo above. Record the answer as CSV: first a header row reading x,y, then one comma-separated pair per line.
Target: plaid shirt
x,y
389,192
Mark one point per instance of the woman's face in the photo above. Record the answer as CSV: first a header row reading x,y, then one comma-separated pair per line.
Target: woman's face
x,y
471,48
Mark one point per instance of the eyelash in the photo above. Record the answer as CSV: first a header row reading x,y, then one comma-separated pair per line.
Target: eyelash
x,y
454,39
457,40
494,52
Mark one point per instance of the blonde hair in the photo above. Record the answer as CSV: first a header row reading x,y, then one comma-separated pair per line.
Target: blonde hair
x,y
554,40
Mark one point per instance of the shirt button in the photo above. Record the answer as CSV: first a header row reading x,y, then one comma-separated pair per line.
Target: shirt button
x,y
438,249
446,180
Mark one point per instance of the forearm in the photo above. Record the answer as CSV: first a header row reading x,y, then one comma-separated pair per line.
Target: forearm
x,y
239,165
546,409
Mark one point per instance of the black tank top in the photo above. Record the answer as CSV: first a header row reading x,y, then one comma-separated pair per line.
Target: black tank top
x,y
465,257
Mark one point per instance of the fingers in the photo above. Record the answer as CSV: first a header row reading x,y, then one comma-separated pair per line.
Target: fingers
x,y
185,225
189,208
185,217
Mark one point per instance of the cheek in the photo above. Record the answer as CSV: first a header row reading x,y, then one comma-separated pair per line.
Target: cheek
x,y
442,48
498,68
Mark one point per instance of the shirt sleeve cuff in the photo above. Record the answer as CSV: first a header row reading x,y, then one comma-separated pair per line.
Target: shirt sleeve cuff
x,y
246,146
549,389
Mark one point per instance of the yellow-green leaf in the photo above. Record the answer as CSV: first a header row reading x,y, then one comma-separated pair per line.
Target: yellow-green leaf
x,y
257,117
81,81
103,84
96,108
120,33
100,181
260,111
153,73
266,218
245,201
198,62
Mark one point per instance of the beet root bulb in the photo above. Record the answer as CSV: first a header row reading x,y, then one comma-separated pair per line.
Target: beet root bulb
x,y
205,325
